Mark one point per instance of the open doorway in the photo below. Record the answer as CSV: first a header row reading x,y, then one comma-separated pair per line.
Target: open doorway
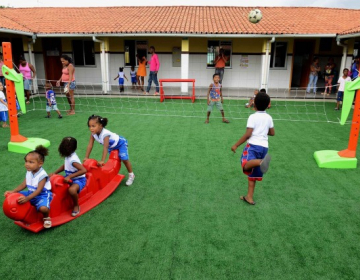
x,y
52,63
303,55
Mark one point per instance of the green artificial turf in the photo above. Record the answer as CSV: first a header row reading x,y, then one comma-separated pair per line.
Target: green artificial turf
x,y
182,218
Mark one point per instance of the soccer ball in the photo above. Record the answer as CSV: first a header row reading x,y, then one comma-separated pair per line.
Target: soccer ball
x,y
255,16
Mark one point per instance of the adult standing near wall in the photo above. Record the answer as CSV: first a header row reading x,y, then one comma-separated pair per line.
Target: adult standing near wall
x,y
355,68
329,75
220,62
314,74
68,78
154,69
2,79
29,73
141,72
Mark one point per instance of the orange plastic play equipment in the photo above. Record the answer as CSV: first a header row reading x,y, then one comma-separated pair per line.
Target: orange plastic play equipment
x,y
350,152
14,82
10,96
101,183
162,93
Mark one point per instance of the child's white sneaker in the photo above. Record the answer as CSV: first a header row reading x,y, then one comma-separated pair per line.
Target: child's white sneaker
x,y
130,180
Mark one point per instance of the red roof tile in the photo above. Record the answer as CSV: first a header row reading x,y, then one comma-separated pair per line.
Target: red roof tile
x,y
178,19
351,30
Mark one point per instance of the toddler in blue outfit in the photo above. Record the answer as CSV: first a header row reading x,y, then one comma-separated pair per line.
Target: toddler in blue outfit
x,y
74,171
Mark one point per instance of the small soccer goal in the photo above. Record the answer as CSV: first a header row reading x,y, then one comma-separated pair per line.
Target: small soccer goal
x,y
162,93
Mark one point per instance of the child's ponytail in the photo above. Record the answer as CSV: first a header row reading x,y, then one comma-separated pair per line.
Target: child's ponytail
x,y
100,120
41,151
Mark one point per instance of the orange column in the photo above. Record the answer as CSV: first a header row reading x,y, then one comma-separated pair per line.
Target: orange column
x,y
10,96
350,152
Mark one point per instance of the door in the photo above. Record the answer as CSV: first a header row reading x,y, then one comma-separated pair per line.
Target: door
x,y
303,55
52,54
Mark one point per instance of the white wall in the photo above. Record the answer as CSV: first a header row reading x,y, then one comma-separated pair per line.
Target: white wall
x,y
281,78
235,77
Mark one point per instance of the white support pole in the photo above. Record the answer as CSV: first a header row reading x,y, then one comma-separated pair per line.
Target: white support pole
x,y
265,62
344,57
107,73
32,61
104,80
184,63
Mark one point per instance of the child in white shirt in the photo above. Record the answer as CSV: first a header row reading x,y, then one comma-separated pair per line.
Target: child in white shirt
x,y
341,87
255,159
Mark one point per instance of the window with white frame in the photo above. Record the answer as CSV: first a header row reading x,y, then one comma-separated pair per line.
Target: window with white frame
x,y
133,47
213,49
278,55
83,53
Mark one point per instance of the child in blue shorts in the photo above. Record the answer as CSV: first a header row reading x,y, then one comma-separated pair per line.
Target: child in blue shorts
x,y
51,101
133,77
121,76
341,87
37,182
74,171
111,141
255,159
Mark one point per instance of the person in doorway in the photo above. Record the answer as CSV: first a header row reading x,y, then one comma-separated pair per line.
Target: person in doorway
x,y
314,74
141,72
154,68
329,75
355,68
220,62
68,78
29,73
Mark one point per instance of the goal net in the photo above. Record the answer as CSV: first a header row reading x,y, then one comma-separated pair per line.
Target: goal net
x,y
286,104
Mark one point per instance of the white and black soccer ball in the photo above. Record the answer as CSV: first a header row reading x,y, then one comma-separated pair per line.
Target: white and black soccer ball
x,y
255,16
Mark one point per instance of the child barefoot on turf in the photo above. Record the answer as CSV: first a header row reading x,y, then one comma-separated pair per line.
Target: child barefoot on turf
x,y
214,97
74,170
38,184
111,141
51,101
255,160
250,104
121,76
3,107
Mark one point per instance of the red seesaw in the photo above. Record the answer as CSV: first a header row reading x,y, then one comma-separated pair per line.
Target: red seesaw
x,y
162,93
101,183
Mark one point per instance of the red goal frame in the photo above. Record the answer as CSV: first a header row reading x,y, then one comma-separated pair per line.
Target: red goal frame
x,y
162,93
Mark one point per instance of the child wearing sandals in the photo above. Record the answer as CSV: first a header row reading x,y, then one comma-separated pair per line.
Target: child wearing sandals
x,y
255,159
37,182
74,171
110,141
214,97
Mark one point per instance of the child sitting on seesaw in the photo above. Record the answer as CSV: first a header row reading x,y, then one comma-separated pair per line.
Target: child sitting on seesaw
x,y
38,184
74,171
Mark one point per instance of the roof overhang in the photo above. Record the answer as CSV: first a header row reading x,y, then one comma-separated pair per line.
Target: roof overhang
x,y
186,35
12,31
347,36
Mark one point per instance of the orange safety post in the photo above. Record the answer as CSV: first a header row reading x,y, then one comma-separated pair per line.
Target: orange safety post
x,y
10,96
350,152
